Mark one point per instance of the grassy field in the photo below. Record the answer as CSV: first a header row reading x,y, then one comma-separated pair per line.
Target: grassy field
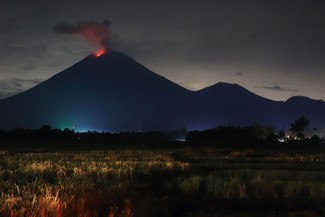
x,y
139,183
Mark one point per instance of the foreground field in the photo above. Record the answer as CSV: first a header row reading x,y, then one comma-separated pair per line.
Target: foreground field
x,y
188,182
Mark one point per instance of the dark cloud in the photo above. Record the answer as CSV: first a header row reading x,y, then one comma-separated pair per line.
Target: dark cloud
x,y
98,33
30,67
23,51
238,74
279,88
13,86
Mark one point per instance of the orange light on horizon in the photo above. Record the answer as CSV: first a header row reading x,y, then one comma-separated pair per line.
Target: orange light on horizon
x,y
100,52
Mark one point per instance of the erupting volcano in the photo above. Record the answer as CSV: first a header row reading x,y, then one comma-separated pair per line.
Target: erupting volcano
x,y
97,33
110,91
113,92
100,52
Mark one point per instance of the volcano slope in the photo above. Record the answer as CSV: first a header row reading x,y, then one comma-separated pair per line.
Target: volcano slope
x,y
115,93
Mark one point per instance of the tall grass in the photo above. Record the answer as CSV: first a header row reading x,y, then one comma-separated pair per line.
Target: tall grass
x,y
125,183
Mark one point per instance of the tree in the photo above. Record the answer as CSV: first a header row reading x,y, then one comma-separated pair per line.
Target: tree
x,y
281,134
299,126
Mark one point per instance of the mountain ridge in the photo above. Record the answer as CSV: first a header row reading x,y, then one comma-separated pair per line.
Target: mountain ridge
x,y
114,92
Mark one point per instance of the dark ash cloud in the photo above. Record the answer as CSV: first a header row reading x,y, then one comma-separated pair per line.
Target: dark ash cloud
x,y
98,33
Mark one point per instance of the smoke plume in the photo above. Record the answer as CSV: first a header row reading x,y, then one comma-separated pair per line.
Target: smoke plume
x,y
98,33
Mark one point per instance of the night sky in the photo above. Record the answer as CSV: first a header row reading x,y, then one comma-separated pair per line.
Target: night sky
x,y
273,48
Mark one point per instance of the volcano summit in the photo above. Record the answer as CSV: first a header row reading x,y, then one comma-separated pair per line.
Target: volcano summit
x,y
113,92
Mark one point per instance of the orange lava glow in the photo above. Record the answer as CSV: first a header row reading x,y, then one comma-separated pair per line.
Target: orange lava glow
x,y
100,52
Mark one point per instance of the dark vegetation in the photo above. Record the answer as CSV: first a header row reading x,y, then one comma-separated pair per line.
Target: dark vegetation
x,y
225,171
255,136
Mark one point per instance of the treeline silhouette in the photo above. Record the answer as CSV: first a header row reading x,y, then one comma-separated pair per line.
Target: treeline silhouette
x,y
255,136
67,138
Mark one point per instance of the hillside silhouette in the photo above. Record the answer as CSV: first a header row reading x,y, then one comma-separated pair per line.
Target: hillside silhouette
x,y
115,93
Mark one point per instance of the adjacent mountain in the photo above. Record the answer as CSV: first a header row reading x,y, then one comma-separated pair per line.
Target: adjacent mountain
x,y
113,92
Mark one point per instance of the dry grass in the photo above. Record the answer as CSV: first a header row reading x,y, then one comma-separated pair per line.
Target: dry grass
x,y
127,183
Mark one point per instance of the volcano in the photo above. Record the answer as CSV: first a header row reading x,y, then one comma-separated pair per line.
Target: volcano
x,y
112,92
